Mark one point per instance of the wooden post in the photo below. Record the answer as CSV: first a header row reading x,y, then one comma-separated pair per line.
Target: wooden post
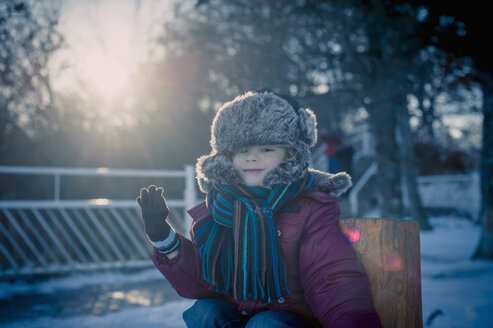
x,y
389,251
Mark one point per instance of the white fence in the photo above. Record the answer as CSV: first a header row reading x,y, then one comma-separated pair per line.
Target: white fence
x,y
53,236
458,192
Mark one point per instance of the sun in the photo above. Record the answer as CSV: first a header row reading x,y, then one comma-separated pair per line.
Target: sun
x,y
106,42
104,73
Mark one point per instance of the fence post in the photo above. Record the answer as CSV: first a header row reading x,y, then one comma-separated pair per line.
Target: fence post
x,y
189,193
57,187
366,142
476,191
389,250
353,196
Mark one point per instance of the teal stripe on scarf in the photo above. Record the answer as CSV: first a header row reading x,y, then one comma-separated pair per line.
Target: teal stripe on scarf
x,y
245,258
275,264
221,210
261,193
203,228
254,255
280,197
222,220
207,250
310,183
273,193
225,202
293,190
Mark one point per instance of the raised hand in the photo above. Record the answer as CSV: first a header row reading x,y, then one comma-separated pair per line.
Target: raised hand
x,y
152,199
154,213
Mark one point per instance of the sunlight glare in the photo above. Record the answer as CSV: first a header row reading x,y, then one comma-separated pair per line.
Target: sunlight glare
x,y
105,43
134,297
104,73
100,201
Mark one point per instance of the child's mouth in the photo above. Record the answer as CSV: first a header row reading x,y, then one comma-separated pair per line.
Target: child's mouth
x,y
252,170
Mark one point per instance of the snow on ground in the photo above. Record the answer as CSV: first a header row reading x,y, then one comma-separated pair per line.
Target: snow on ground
x,y
168,316
461,289
75,281
457,290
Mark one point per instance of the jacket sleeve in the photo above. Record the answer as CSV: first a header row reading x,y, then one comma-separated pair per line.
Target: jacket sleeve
x,y
184,271
335,284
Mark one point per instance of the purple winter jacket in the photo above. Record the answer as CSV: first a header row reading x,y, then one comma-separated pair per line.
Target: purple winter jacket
x,y
328,285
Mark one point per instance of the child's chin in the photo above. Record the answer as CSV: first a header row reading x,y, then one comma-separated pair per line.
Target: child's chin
x,y
253,183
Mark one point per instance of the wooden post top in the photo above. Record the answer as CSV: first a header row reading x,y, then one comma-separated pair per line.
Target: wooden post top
x,y
390,253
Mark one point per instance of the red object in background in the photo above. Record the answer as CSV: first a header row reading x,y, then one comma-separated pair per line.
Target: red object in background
x,y
331,148
334,138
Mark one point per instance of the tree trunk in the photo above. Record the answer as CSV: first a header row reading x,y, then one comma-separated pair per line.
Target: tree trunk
x,y
409,172
485,247
383,126
384,81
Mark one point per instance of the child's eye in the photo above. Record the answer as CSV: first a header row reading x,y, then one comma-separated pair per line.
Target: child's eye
x,y
267,150
242,150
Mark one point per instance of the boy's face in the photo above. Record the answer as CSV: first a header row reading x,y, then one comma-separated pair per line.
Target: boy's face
x,y
254,162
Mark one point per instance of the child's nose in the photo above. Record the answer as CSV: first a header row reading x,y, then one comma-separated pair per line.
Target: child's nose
x,y
251,156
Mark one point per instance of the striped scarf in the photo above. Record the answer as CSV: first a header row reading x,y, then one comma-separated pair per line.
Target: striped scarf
x,y
238,244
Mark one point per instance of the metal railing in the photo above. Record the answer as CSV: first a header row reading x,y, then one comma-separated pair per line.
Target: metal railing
x,y
354,192
459,192
53,236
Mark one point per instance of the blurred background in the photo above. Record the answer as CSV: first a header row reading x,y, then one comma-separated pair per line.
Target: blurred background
x,y
402,90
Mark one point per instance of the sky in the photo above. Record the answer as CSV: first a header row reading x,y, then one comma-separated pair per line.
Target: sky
x,y
105,42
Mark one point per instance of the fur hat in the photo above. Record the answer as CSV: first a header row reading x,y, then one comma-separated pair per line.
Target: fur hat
x,y
263,117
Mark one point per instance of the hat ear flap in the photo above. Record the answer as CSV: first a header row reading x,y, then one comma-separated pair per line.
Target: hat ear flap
x,y
308,126
215,168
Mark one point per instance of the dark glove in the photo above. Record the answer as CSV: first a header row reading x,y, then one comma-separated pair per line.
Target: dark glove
x,y
154,213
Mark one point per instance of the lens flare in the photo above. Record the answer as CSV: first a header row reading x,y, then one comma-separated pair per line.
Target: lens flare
x,y
393,261
353,235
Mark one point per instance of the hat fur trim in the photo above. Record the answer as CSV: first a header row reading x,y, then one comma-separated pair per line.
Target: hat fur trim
x,y
264,118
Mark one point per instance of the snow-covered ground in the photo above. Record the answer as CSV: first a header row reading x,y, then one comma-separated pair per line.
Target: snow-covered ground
x,y
459,291
460,288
